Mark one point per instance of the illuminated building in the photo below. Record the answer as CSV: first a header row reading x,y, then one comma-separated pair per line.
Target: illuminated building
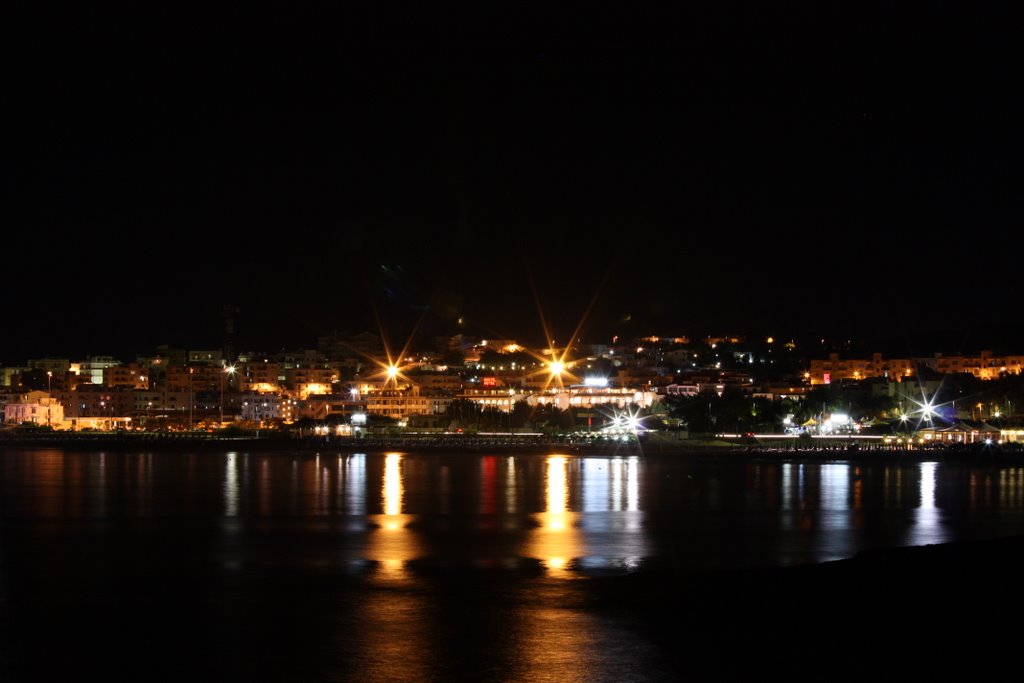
x,y
498,399
263,407
261,376
132,376
194,378
303,381
401,403
91,369
592,397
961,432
832,369
983,366
36,407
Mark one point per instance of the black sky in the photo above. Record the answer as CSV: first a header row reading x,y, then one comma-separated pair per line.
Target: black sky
x,y
818,169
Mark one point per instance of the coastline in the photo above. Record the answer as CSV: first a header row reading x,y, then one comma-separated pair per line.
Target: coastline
x,y
273,442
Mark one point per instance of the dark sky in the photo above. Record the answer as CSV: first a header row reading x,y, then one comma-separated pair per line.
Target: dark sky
x,y
818,169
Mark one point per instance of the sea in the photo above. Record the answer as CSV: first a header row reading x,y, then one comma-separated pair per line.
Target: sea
x,y
443,566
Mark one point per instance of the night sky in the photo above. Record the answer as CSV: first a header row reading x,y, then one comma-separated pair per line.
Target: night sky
x,y
802,170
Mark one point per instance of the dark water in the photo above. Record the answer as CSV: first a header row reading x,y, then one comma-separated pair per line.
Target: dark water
x,y
406,567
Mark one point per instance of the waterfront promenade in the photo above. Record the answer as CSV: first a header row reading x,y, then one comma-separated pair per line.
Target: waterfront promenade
x,y
646,444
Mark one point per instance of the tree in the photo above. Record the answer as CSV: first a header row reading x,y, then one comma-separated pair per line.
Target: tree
x,y
462,409
522,415
454,358
489,358
733,410
698,412
766,415
821,399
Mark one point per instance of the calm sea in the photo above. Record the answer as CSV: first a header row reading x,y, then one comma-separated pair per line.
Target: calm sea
x,y
420,567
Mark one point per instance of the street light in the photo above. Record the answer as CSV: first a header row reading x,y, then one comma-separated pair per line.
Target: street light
x,y
49,380
229,370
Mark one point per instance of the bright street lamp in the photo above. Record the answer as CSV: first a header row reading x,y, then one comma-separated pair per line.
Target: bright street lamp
x,y
228,371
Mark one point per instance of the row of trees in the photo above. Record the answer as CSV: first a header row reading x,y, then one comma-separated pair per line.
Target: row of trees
x,y
466,414
956,395
737,411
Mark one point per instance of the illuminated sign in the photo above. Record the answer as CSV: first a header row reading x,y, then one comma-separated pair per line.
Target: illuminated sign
x,y
489,381
827,378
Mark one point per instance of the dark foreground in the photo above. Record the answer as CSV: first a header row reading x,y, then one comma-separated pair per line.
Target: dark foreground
x,y
947,612
944,612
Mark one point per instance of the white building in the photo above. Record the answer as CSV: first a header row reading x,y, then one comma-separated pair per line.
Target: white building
x,y
401,403
499,399
263,407
593,397
91,369
36,407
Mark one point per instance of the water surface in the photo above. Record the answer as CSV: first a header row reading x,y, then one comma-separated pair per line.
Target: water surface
x,y
347,566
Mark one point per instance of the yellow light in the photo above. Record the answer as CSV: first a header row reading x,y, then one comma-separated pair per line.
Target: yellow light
x,y
771,340
392,371
392,488
557,489
557,367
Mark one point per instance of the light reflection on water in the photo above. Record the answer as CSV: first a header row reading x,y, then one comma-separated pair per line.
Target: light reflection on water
x,y
231,485
462,567
353,469
927,518
566,512
556,538
392,545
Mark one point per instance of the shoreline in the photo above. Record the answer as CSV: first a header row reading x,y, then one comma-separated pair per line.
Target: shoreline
x,y
147,441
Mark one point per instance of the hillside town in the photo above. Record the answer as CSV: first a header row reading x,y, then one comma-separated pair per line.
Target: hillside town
x,y
727,384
